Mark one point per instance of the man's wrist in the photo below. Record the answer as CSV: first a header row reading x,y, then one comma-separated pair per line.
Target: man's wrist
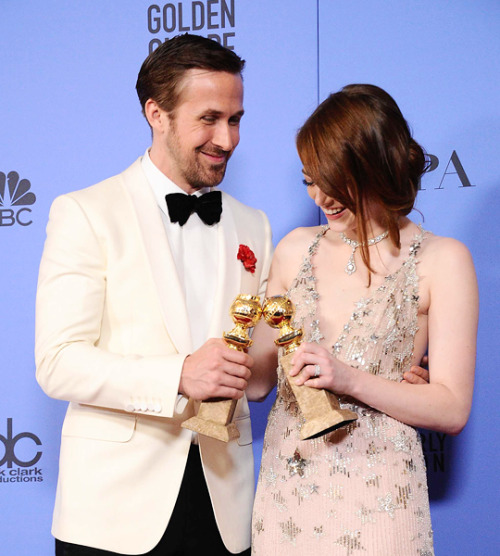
x,y
181,388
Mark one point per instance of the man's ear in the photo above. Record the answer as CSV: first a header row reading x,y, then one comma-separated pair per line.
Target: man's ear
x,y
155,115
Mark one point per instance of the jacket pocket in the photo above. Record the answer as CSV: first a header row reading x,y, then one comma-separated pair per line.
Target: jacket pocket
x,y
96,423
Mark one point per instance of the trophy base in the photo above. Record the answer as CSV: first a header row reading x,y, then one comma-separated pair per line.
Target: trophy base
x,y
212,429
320,408
324,424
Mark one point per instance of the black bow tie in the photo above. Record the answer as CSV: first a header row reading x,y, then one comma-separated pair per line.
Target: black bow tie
x,y
207,206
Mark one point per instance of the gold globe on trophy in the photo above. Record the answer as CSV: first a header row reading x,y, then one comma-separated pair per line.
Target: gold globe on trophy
x,y
215,417
320,408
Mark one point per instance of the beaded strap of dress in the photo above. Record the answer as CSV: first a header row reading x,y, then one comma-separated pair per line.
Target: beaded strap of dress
x,y
303,292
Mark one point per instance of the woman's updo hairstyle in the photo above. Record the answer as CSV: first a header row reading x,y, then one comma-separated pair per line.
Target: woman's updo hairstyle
x,y
357,148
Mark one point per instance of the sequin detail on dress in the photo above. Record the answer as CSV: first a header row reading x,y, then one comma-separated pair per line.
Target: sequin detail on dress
x,y
361,490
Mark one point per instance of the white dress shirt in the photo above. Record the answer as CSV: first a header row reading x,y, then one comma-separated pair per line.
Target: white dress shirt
x,y
194,249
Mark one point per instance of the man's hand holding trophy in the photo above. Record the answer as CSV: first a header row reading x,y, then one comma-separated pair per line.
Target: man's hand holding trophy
x,y
320,408
215,417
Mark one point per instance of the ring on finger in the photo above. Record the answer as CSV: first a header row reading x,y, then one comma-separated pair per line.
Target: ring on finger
x,y
317,371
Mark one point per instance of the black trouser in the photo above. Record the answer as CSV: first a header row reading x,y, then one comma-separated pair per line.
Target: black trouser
x,y
192,530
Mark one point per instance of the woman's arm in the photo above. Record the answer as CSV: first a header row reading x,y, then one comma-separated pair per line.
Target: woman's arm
x,y
443,404
264,351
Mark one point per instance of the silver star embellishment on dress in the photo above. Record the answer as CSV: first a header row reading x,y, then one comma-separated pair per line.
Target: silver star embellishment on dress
x,y
401,442
385,504
296,464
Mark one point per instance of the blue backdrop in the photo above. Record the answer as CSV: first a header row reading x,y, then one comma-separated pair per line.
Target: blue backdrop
x,y
69,117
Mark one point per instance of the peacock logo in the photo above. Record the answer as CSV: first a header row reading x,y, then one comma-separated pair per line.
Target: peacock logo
x,y
15,197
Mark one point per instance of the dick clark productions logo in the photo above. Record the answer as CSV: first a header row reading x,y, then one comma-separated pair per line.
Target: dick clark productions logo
x,y
17,468
14,200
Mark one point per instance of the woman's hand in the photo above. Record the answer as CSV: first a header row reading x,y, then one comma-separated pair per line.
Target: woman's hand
x,y
314,366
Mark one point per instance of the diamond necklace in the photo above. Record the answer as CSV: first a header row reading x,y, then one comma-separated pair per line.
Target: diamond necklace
x,y
351,265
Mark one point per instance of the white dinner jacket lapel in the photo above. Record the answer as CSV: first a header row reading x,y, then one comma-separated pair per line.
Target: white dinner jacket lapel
x,y
156,245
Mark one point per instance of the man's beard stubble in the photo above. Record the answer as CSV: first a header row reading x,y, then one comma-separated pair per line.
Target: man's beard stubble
x,y
199,177
194,173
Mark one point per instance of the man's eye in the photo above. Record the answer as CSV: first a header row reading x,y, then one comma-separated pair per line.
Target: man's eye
x,y
235,121
208,119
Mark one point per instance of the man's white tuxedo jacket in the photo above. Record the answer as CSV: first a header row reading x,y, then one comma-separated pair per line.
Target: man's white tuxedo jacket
x,y
112,333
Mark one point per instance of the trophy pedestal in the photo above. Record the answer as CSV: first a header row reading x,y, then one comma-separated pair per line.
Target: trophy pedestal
x,y
214,420
320,408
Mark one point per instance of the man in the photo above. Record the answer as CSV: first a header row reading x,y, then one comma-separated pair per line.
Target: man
x,y
129,294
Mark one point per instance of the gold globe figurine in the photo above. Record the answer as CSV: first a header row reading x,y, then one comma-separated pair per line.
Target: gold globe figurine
x,y
278,312
215,417
320,408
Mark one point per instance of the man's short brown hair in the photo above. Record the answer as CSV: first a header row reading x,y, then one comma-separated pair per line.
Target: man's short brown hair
x,y
163,70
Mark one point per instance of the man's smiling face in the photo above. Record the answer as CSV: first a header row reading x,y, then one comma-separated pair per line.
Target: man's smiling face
x,y
192,144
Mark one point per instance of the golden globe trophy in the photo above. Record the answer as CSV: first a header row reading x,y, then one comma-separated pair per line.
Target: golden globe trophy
x,y
215,417
320,408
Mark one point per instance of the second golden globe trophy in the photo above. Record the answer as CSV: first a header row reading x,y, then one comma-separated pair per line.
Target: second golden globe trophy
x,y
320,408
215,417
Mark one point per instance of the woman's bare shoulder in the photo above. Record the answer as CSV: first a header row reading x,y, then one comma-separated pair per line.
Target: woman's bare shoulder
x,y
299,239
441,250
446,261
301,235
288,256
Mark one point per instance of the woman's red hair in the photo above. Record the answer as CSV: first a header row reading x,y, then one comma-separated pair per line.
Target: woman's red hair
x,y
357,148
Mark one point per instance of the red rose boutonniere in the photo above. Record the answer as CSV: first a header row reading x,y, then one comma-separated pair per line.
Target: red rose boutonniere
x,y
247,257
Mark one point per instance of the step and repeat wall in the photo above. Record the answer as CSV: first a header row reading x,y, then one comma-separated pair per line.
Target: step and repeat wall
x,y
69,117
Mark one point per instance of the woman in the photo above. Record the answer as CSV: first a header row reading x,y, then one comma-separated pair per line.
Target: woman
x,y
373,292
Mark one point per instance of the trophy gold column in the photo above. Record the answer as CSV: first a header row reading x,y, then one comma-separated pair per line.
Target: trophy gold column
x,y
215,417
320,408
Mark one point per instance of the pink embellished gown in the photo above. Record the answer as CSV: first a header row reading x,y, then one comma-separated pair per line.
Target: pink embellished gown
x,y
360,490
